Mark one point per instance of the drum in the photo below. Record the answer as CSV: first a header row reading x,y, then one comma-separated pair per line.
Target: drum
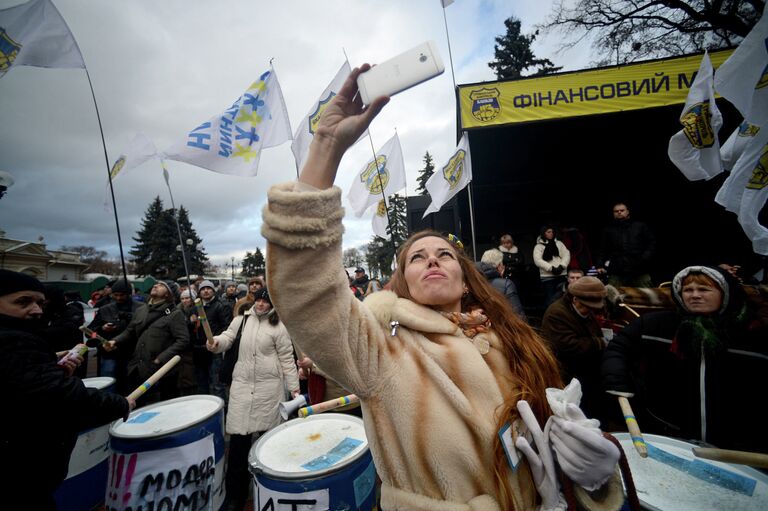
x,y
168,455
671,478
83,489
321,461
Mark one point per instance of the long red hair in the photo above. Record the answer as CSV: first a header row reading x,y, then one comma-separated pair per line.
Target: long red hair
x,y
531,362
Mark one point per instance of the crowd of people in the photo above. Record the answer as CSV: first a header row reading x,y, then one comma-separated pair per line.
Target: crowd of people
x,y
467,404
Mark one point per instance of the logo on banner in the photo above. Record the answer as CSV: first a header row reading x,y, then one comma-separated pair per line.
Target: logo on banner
x,y
375,177
485,104
748,130
117,167
759,179
453,171
314,117
9,49
381,209
697,125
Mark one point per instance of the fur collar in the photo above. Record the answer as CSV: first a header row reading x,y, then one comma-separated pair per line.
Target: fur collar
x,y
386,307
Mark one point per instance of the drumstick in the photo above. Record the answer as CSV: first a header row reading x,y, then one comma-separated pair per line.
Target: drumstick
x,y
93,335
753,459
78,351
632,426
331,404
204,320
630,309
141,389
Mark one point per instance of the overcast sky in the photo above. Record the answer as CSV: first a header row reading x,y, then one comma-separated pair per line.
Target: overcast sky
x,y
162,67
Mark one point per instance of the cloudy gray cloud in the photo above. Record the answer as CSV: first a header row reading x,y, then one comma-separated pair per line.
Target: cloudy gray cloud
x,y
162,67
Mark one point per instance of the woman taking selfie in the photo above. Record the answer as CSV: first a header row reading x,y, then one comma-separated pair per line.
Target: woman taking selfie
x,y
441,363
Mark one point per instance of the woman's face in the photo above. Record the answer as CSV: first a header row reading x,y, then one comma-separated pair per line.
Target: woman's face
x,y
433,274
186,301
261,306
700,298
549,234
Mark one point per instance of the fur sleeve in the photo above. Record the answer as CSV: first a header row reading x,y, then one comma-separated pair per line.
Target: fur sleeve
x,y
310,290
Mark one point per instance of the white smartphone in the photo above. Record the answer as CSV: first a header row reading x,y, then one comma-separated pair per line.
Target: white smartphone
x,y
402,72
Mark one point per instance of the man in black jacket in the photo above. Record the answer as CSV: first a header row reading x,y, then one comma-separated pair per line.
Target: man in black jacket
x,y
626,250
46,406
110,321
159,332
207,365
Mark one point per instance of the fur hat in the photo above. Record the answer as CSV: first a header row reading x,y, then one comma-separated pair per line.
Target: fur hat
x,y
206,283
13,282
590,291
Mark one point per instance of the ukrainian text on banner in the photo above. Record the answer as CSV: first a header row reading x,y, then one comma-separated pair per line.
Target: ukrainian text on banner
x,y
631,87
185,477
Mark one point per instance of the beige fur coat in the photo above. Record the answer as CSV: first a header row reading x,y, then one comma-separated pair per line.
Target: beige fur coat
x,y
429,397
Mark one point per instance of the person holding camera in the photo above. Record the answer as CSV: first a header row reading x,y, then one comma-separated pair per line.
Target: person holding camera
x,y
551,256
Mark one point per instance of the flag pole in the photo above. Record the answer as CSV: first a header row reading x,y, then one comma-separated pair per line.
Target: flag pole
x,y
178,227
106,157
469,185
384,197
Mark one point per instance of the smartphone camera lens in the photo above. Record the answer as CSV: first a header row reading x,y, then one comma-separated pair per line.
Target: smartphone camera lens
x,y
422,58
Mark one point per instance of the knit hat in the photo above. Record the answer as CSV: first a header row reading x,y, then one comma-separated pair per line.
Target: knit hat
x,y
172,287
242,287
206,283
13,282
188,293
590,291
716,274
121,286
359,270
262,294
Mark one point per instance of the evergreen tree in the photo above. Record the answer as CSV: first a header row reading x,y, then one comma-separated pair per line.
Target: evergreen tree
x,y
513,54
253,263
425,174
156,252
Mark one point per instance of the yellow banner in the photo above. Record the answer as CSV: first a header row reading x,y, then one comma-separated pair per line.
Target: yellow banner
x,y
630,87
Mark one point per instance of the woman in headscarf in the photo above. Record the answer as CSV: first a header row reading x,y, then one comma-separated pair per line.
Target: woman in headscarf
x,y
442,365
551,256
696,372
261,371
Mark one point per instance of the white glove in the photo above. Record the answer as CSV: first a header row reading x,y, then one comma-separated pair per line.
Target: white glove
x,y
541,463
584,454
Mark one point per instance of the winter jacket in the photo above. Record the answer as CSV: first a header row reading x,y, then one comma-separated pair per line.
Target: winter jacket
x,y
682,390
545,267
578,344
120,315
429,397
627,248
44,411
504,286
164,338
265,368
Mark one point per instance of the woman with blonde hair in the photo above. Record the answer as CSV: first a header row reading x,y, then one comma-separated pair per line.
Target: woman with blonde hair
x,y
441,364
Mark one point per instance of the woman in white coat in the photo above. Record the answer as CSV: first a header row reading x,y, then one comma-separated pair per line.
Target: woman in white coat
x,y
552,257
264,368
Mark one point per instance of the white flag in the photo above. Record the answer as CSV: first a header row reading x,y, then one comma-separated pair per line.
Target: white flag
x,y
742,79
733,148
451,178
35,34
695,149
305,132
231,142
139,150
379,222
749,190
446,3
387,173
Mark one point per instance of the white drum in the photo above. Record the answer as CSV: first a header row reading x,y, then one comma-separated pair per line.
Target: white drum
x,y
83,489
169,453
671,478
323,458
